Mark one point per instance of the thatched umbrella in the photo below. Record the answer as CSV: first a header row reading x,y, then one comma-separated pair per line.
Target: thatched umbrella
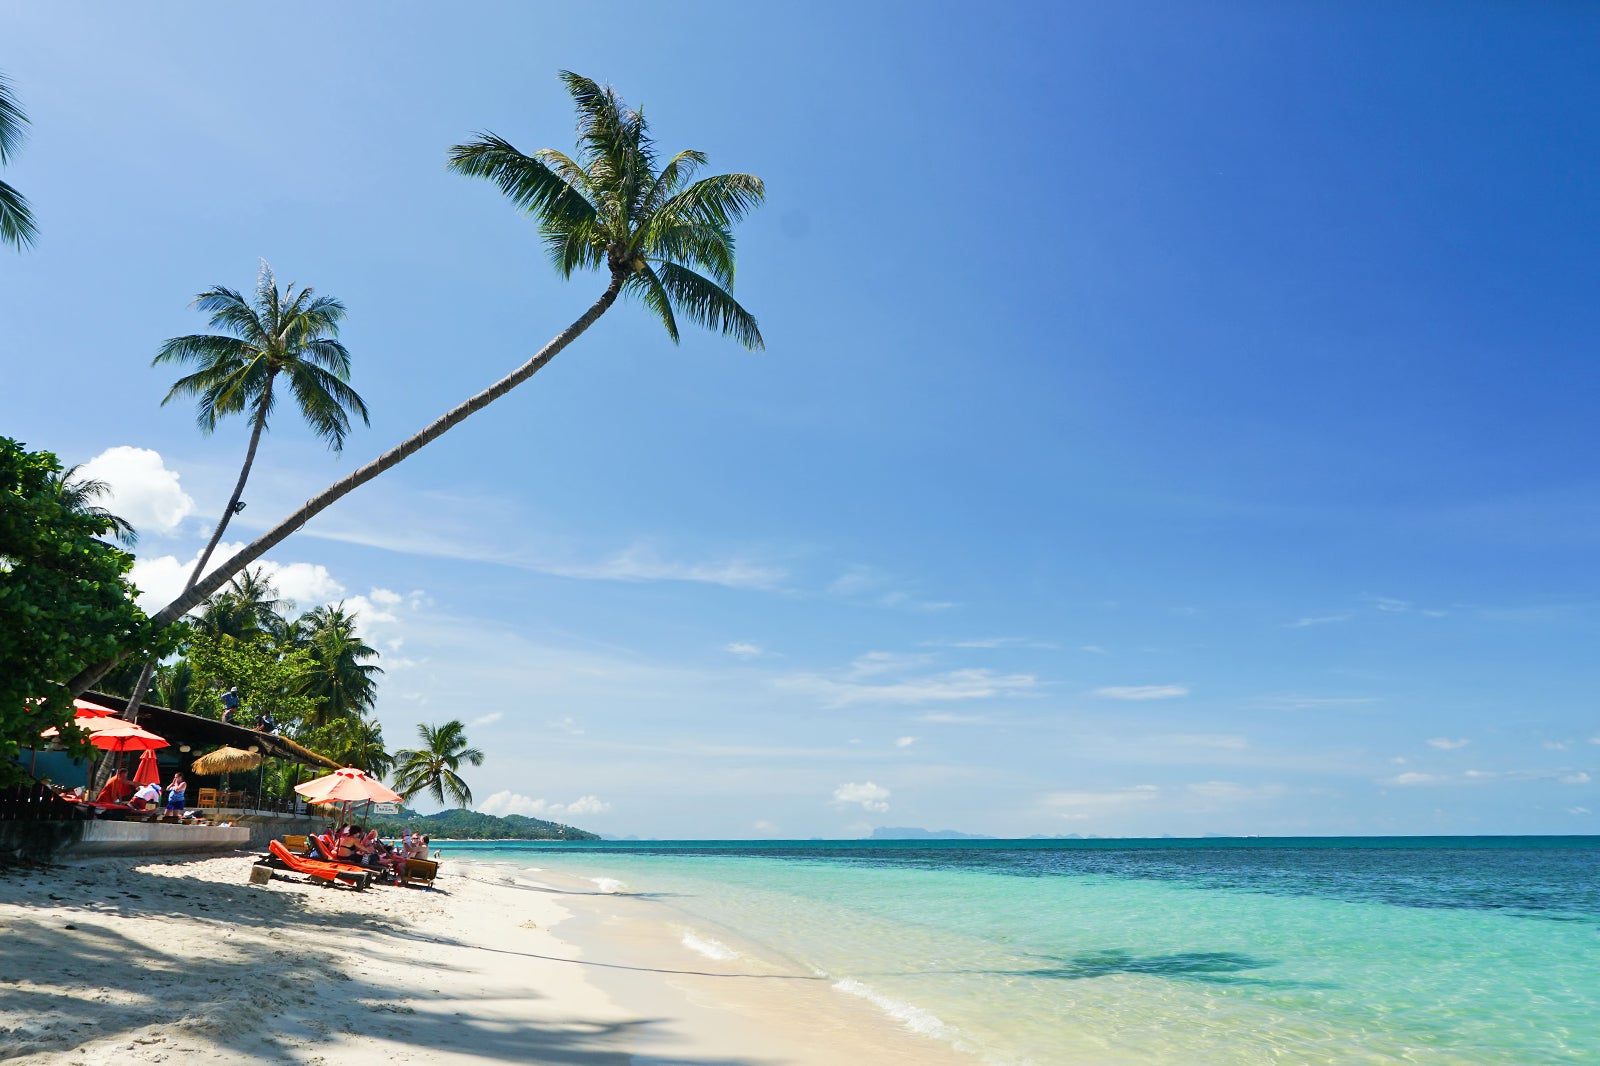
x,y
225,761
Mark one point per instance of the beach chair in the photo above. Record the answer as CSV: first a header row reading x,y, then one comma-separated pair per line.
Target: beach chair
x,y
296,844
424,870
207,798
319,871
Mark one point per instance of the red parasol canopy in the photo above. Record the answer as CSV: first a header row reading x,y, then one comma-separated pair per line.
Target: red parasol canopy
x,y
348,785
123,736
85,709
147,773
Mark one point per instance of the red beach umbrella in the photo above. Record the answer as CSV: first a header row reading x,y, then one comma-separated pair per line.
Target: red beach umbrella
x,y
128,737
85,709
147,773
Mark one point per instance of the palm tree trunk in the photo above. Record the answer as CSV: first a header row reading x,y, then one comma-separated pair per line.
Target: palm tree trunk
x,y
131,712
195,593
238,488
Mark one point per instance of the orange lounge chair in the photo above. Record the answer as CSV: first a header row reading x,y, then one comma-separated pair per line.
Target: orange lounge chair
x,y
317,870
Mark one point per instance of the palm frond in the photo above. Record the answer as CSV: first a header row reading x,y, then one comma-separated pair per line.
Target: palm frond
x,y
526,182
693,245
12,121
720,200
17,227
707,303
231,311
679,169
646,284
324,399
328,354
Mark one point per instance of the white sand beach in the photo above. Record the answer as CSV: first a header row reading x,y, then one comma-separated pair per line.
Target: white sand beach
x,y
137,960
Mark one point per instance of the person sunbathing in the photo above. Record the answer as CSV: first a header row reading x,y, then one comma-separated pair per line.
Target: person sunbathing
x,y
116,790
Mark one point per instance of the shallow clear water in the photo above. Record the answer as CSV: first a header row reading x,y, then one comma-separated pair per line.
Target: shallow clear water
x,y
1340,951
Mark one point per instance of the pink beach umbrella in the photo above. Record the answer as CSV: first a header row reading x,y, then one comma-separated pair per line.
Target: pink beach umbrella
x,y
347,786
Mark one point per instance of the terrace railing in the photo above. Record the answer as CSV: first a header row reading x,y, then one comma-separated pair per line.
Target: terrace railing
x,y
34,802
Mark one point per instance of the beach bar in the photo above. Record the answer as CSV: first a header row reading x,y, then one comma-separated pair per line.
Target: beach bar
x,y
36,823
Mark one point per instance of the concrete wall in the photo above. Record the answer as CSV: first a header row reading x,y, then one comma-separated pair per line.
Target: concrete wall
x,y
151,838
36,841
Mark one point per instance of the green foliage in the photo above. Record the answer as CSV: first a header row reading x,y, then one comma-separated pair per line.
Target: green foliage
x,y
16,218
64,598
463,824
353,740
434,767
290,332
667,238
269,681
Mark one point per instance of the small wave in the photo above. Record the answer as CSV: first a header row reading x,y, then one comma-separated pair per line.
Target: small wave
x,y
711,949
912,1017
608,884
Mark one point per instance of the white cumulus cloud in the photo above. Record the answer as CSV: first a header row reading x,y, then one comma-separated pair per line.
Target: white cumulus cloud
x,y
508,802
1414,778
904,742
1446,744
743,650
143,490
871,797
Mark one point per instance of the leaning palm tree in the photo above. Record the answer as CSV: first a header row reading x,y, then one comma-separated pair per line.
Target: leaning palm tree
x,y
433,768
16,218
289,332
659,235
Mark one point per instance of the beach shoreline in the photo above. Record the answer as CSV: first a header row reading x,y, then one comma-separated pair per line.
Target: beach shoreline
x,y
181,959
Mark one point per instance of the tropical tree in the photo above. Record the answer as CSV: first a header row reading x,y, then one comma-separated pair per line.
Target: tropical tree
x,y
64,599
289,332
356,740
659,235
341,682
81,494
433,767
16,218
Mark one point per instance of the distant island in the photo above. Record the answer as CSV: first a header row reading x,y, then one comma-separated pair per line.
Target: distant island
x,y
461,824
915,833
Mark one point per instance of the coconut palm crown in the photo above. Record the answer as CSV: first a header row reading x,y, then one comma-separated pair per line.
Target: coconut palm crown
x,y
664,237
433,768
290,332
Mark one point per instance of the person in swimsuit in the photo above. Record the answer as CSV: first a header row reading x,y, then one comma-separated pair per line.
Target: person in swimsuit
x,y
175,793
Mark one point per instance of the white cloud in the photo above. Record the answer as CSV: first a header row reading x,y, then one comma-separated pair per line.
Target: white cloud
x,y
1576,778
743,650
143,490
568,725
1093,649
1446,744
588,805
904,742
161,578
1142,692
764,827
1577,810
853,688
1320,620
1414,778
488,719
871,797
1081,805
1557,745
946,718
507,802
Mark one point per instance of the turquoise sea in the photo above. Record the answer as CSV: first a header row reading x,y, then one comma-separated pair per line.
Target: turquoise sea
x,y
1432,951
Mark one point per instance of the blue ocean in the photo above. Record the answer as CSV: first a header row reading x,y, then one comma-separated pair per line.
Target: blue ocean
x,y
1431,951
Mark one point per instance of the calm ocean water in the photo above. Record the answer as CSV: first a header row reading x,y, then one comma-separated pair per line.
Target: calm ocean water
x,y
1433,951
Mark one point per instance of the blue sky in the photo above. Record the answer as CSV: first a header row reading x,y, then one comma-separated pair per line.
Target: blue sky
x,y
1175,418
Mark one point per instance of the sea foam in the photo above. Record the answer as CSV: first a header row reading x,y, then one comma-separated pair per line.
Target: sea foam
x,y
909,1015
608,884
711,949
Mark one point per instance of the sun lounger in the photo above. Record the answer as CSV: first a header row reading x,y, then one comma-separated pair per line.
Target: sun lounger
x,y
317,870
424,870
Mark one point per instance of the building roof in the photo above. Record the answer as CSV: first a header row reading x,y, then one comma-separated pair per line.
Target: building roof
x,y
179,728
